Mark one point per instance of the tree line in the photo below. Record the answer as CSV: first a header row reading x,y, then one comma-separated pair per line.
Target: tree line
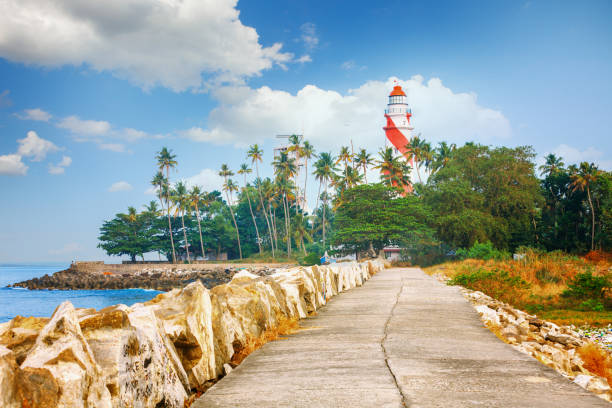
x,y
429,201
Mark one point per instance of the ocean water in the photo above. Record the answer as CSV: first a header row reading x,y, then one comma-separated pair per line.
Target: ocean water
x,y
42,303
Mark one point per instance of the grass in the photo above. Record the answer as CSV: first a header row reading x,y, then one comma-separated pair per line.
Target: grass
x,y
562,288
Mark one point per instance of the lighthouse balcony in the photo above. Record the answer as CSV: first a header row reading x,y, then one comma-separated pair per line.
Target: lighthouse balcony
x,y
397,110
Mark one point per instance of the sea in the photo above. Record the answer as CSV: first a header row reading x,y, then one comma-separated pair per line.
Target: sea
x,y
42,303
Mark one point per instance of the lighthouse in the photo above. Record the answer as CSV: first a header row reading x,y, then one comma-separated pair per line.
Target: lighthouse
x,y
398,130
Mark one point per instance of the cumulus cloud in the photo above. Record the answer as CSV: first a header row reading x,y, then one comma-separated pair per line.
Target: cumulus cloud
x,y
100,131
331,119
60,167
309,35
572,155
172,43
304,58
207,179
11,165
120,186
35,114
35,147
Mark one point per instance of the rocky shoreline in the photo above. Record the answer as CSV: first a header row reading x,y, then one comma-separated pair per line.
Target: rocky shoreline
x,y
163,278
158,353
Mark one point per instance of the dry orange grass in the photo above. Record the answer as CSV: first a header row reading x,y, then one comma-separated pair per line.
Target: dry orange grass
x,y
597,361
285,327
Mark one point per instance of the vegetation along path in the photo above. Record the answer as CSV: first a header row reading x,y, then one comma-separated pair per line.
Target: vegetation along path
x,y
401,340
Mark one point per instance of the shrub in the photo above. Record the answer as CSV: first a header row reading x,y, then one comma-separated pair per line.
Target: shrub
x,y
586,286
594,305
496,283
484,251
311,259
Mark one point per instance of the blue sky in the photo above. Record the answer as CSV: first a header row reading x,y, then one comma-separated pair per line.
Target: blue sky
x,y
90,91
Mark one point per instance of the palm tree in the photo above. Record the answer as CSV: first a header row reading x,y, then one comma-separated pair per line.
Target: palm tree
x,y
180,196
300,231
166,160
244,170
393,169
256,156
364,159
552,165
285,169
325,168
418,152
345,155
230,187
582,179
307,154
195,198
442,155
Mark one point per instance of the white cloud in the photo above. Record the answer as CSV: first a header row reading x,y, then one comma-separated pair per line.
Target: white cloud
x,y
35,114
207,179
330,119
11,165
309,35
351,65
84,128
120,186
167,42
304,58
35,147
59,168
572,155
113,147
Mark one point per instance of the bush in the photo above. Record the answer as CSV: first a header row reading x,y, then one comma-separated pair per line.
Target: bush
x,y
586,286
497,283
311,259
484,251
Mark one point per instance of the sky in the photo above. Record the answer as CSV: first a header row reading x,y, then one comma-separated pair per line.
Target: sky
x,y
90,91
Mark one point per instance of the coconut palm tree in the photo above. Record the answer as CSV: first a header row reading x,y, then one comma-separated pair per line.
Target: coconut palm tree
x,y
393,169
442,155
308,152
285,169
244,170
586,175
256,155
195,198
363,160
300,231
552,165
325,169
230,187
345,155
180,196
417,152
167,160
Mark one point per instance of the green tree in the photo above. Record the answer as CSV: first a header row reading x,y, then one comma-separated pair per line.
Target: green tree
x,y
325,168
582,180
244,170
256,156
181,199
195,198
230,187
166,160
126,234
363,160
374,215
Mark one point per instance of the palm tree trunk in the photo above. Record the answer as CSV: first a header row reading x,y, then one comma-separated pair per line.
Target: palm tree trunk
x,y
417,169
185,236
170,222
592,218
324,207
236,226
200,230
252,216
365,175
317,206
263,209
288,225
305,179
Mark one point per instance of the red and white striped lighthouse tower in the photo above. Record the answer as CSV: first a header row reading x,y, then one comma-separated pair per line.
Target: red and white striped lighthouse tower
x,y
398,130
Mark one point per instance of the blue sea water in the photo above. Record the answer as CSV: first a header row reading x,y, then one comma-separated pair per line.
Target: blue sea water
x,y
42,303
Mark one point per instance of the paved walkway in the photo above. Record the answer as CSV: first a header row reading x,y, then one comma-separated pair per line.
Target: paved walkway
x,y
401,340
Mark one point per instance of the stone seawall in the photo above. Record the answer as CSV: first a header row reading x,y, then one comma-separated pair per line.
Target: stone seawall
x,y
120,269
157,353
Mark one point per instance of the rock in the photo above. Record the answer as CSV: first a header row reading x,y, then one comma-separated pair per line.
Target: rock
x,y
598,385
583,380
536,322
227,368
62,362
8,387
564,339
487,314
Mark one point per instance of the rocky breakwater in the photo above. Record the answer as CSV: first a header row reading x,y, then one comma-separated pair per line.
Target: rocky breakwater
x,y
559,347
158,353
148,277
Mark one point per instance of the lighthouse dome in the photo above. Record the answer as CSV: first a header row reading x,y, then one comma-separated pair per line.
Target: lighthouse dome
x,y
397,91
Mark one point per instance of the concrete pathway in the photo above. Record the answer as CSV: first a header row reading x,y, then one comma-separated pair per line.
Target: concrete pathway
x,y
401,340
